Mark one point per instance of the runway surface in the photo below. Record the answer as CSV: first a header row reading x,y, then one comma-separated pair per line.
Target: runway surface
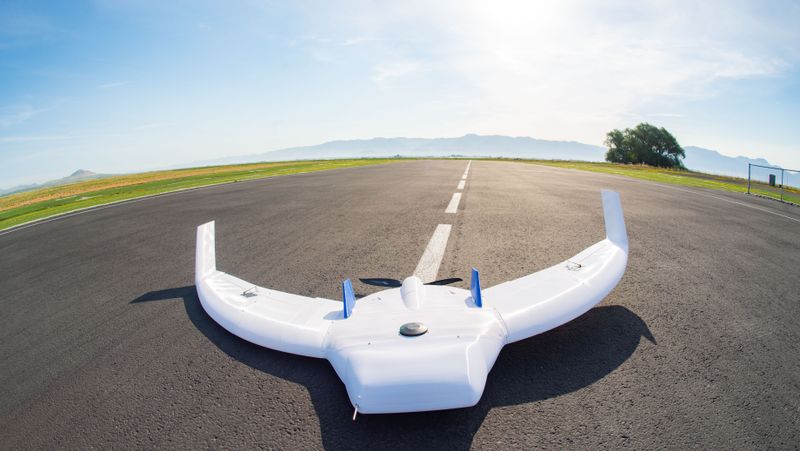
x,y
104,342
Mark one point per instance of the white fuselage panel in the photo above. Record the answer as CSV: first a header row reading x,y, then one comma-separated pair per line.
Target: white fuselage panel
x,y
446,367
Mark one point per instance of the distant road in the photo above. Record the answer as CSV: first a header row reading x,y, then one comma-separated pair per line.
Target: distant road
x,y
104,344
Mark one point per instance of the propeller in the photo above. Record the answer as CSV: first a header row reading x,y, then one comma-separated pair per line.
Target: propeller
x,y
394,283
445,281
379,282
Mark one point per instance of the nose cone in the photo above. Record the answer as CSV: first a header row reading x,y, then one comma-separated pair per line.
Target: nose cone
x,y
401,378
413,293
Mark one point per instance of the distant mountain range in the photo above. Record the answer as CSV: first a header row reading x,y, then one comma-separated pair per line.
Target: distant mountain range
x,y
697,158
712,162
466,146
78,176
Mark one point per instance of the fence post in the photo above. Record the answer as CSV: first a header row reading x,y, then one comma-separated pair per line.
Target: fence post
x,y
782,171
749,165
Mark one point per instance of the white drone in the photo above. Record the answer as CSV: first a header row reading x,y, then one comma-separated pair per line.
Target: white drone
x,y
415,347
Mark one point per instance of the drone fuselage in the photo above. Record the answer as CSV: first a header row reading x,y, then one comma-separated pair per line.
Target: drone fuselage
x,y
446,367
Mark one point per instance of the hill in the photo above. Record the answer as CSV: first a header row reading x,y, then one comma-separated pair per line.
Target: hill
x,y
78,176
712,162
468,146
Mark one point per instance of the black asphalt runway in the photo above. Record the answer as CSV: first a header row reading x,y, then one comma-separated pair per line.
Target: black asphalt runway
x,y
104,343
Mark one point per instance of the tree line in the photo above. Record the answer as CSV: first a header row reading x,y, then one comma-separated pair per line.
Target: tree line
x,y
644,144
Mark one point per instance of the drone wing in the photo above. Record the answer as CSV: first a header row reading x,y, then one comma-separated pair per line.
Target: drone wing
x,y
269,318
549,298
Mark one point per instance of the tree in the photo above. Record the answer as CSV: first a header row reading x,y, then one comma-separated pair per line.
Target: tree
x,y
645,144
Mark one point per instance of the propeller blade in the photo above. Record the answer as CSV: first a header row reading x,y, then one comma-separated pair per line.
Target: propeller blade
x,y
380,282
445,281
394,283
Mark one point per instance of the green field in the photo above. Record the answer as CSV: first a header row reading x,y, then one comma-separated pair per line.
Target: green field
x,y
28,206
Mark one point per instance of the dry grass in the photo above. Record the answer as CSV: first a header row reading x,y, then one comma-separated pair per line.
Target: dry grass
x,y
89,186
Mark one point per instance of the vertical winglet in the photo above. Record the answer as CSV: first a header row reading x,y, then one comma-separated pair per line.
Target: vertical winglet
x,y
615,221
205,254
475,288
348,298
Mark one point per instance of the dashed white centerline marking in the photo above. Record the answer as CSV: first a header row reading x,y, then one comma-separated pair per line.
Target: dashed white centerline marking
x,y
461,184
428,266
452,207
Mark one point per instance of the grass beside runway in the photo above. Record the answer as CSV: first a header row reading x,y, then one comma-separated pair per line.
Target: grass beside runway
x,y
678,177
29,206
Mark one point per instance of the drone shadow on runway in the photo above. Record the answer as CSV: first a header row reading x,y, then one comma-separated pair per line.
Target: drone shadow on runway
x,y
561,361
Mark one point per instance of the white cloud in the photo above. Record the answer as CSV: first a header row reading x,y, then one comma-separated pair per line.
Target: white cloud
x,y
677,115
356,40
384,72
151,125
33,138
14,115
572,69
112,85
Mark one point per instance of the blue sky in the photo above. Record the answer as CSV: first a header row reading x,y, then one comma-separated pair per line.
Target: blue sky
x,y
119,86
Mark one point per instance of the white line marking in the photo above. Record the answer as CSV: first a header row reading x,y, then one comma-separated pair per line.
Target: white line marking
x,y
664,185
452,207
117,203
732,201
461,184
132,200
428,266
464,177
